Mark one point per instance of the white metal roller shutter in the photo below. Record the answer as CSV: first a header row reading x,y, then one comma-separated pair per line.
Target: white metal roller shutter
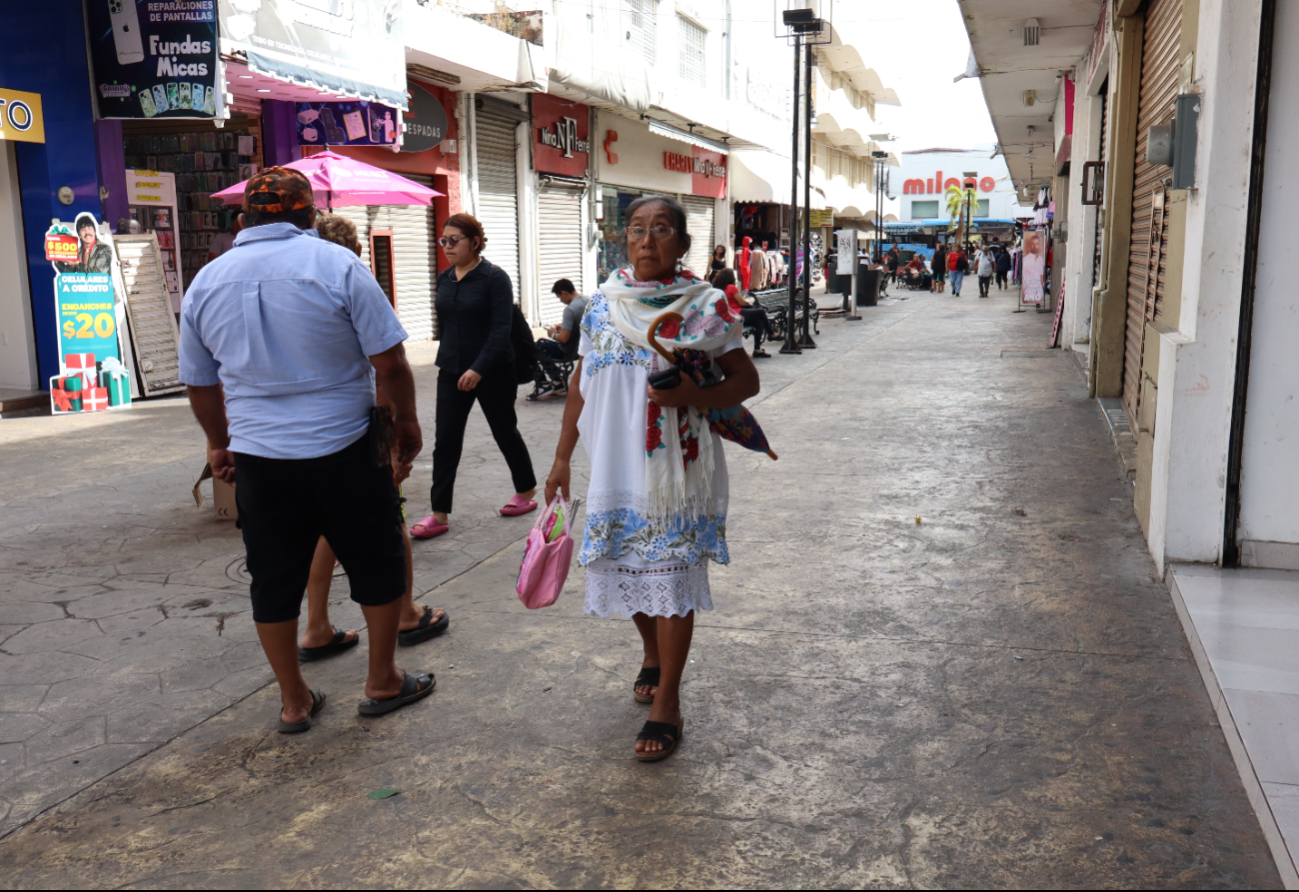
x,y
560,218
498,191
699,219
414,249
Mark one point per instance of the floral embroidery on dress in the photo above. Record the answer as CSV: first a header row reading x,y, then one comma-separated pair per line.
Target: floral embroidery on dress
x,y
612,534
608,346
654,429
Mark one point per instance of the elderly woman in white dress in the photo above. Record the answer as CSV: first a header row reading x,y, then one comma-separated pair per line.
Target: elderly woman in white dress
x,y
656,507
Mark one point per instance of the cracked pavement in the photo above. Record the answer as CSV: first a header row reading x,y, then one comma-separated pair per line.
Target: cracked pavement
x,y
940,658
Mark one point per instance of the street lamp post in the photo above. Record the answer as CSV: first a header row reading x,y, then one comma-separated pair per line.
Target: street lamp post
x,y
970,198
803,27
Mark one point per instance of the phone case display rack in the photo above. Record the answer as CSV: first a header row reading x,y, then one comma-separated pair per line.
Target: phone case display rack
x,y
203,163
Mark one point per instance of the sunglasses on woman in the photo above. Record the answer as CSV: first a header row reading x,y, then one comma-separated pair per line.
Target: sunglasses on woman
x,y
450,241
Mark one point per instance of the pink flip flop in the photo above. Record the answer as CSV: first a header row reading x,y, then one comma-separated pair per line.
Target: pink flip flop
x,y
428,528
517,506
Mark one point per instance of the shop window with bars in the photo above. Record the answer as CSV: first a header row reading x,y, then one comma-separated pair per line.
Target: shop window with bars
x,y
640,20
691,51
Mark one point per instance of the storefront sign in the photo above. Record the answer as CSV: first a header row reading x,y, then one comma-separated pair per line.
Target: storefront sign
x,y
154,58
336,46
709,169
561,136
148,187
819,218
426,121
89,355
357,123
936,185
21,119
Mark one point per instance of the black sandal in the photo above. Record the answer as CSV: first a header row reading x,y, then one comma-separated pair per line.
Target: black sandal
x,y
317,703
665,733
337,646
414,686
425,630
648,678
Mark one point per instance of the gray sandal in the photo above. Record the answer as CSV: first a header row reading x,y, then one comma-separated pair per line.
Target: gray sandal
x,y
317,703
413,687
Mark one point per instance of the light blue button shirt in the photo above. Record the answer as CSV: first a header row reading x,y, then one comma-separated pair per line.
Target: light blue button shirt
x,y
287,323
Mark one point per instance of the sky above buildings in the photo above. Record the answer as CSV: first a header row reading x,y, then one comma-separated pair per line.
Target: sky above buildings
x,y
917,47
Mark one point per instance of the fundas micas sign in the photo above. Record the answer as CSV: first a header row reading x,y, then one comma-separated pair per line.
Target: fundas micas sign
x,y
154,58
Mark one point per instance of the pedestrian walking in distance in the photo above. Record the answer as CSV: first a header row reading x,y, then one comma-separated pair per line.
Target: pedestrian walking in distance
x,y
656,507
281,340
561,346
986,268
475,309
1003,262
939,265
958,266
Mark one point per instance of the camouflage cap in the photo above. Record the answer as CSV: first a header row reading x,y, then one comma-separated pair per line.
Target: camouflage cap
x,y
277,190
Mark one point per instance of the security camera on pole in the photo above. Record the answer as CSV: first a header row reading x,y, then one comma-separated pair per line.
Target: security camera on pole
x,y
802,25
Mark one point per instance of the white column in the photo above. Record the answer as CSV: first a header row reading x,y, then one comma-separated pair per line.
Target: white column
x,y
1197,362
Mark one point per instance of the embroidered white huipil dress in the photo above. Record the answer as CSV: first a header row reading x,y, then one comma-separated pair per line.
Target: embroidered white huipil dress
x,y
636,563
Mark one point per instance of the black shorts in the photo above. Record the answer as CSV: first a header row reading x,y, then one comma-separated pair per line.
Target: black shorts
x,y
286,505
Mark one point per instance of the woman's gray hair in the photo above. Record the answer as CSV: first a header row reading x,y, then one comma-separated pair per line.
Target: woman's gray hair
x,y
674,208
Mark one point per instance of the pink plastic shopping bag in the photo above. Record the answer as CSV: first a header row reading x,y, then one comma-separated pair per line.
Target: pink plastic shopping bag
x,y
546,556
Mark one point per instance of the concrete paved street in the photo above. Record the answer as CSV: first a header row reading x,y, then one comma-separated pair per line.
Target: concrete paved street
x,y
940,658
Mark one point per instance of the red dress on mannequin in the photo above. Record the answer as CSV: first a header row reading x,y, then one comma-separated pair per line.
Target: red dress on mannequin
x,y
746,274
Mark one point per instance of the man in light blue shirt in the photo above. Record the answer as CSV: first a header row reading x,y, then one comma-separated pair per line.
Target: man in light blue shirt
x,y
281,340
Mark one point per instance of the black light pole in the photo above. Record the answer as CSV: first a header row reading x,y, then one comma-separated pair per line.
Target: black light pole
x,y
791,339
806,341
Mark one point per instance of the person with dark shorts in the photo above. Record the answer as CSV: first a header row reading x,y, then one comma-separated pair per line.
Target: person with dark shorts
x,y
939,265
282,341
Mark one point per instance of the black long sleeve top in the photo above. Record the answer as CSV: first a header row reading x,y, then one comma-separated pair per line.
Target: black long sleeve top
x,y
474,319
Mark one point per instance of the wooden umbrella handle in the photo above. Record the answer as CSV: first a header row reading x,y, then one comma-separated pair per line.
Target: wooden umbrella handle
x,y
654,327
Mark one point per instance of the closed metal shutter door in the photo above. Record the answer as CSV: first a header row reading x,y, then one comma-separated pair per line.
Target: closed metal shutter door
x,y
1100,156
414,257
498,190
1147,254
560,217
699,217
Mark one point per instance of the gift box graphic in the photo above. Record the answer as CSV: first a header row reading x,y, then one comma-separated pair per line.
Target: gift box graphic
x,y
114,377
66,393
81,363
95,399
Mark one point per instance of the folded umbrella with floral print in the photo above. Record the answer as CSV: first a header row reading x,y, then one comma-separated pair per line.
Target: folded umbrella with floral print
x,y
736,423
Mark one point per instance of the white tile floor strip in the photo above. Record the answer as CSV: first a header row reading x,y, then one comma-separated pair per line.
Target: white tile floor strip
x,y
1243,626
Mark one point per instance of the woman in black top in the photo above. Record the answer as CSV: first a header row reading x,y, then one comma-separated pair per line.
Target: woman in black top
x,y
719,262
475,307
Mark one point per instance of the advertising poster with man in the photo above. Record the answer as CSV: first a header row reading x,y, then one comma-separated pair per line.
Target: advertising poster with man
x,y
154,58
92,376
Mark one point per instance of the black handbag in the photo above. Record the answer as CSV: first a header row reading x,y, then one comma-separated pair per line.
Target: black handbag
x,y
525,348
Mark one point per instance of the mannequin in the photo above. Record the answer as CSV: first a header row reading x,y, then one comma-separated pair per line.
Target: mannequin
x,y
745,270
758,269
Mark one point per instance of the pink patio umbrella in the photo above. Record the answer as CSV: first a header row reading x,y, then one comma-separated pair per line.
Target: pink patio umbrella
x,y
339,181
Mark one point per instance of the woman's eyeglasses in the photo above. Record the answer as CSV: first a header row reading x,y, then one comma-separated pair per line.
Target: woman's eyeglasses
x,y
450,241
638,233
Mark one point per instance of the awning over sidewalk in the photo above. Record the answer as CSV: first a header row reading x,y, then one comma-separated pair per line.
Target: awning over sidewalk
x,y
764,177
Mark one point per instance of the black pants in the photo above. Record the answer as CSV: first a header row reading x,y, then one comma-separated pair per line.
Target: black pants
x,y
496,393
757,318
1001,280
985,285
546,369
286,505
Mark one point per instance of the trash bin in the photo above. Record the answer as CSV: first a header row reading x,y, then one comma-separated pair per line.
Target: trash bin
x,y
868,285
